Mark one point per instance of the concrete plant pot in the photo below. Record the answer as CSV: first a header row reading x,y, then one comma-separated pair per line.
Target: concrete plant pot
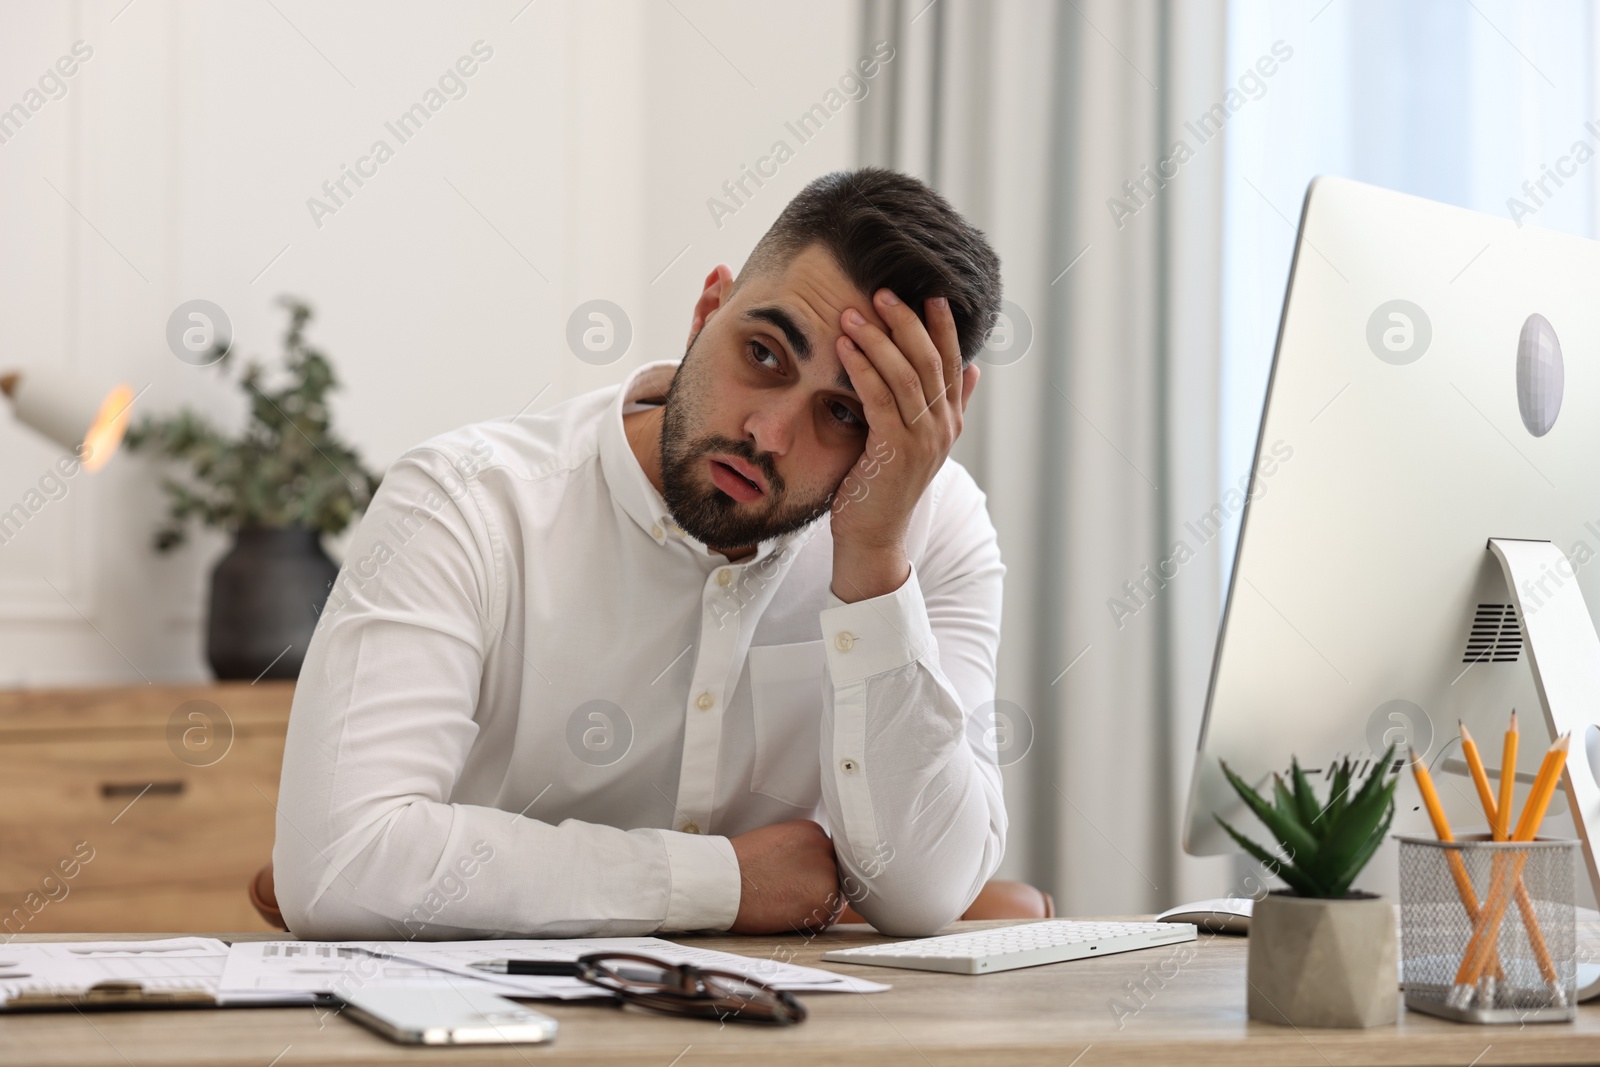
x,y
1323,963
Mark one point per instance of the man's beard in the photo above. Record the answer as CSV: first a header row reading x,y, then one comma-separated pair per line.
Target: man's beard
x,y
705,512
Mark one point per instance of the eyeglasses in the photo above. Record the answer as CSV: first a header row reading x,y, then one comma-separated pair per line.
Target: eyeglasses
x,y
677,988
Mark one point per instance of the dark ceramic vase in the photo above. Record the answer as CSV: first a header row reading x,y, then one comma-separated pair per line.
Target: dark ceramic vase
x,y
266,594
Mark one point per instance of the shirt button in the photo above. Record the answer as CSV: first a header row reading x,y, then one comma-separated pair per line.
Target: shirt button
x,y
690,828
705,701
656,530
844,640
848,766
724,576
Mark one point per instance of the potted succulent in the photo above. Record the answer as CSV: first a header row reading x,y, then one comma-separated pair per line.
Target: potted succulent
x,y
1320,953
277,487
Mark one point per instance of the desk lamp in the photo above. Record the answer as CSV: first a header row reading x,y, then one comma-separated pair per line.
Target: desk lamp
x,y
70,411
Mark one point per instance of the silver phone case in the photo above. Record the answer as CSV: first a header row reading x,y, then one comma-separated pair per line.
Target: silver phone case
x,y
447,1015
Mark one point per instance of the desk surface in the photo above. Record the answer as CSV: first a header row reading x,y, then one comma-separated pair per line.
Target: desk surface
x,y
1059,1015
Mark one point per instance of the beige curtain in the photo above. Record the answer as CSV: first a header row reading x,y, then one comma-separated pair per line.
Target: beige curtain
x,y
1098,442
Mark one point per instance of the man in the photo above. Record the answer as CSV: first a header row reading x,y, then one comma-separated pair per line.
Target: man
x,y
596,671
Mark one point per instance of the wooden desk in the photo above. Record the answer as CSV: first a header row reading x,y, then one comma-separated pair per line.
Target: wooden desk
x,y
1059,1015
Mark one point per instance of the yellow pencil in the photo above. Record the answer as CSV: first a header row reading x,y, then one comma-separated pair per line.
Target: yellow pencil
x,y
1487,930
1480,777
1441,829
1499,817
1508,780
1539,799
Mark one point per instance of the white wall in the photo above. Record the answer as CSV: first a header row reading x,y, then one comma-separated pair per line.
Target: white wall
x,y
178,165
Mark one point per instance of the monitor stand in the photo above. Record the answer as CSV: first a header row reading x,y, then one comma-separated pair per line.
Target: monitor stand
x,y
1564,652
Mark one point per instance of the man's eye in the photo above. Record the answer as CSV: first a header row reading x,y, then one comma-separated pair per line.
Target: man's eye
x,y
849,418
756,351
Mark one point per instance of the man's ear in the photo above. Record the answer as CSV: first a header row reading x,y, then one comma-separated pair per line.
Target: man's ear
x,y
719,284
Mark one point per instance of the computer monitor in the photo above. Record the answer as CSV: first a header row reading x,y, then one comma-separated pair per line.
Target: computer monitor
x,y
1435,388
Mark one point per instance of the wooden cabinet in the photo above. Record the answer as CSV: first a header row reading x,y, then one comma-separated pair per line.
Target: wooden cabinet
x,y
144,808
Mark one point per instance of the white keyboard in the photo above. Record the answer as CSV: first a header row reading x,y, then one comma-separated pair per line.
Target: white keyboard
x,y
1009,947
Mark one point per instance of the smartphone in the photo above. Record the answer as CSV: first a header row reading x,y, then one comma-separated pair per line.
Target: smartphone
x,y
447,1015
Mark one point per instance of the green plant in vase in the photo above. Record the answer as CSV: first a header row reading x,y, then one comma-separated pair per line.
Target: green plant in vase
x,y
1321,954
278,486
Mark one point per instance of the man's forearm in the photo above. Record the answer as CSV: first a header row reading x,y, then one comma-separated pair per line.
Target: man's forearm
x,y
437,871
861,573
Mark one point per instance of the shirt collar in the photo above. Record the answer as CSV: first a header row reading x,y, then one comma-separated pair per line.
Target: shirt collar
x,y
631,488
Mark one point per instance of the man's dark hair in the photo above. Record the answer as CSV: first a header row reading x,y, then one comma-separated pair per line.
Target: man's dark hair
x,y
890,230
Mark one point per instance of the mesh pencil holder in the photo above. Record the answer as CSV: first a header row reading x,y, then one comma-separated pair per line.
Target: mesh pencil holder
x,y
1451,896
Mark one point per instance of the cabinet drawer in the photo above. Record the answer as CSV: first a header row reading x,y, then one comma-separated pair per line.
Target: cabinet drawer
x,y
189,908
149,817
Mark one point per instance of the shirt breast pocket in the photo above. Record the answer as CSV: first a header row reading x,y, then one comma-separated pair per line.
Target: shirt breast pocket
x,y
786,691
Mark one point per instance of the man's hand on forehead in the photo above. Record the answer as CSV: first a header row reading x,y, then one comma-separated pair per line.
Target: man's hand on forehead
x,y
913,391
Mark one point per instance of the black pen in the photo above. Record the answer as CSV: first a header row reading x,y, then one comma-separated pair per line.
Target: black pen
x,y
559,968
562,969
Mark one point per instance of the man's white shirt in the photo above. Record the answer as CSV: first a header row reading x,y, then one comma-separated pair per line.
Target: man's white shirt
x,y
533,706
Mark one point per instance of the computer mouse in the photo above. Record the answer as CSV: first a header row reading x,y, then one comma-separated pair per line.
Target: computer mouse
x,y
1219,915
